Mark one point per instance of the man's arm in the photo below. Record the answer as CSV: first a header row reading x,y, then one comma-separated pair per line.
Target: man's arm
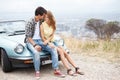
x,y
31,41
28,33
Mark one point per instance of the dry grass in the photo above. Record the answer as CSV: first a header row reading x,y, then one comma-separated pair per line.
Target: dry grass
x,y
105,49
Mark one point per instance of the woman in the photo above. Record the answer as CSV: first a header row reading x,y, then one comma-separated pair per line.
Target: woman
x,y
47,30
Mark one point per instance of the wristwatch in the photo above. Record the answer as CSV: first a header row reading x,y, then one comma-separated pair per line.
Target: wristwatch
x,y
34,45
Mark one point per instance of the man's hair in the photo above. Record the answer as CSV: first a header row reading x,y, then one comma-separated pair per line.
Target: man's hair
x,y
40,11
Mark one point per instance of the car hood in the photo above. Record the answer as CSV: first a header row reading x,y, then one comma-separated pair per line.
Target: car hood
x,y
16,38
20,38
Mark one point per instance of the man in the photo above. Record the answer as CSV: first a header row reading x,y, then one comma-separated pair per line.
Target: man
x,y
35,44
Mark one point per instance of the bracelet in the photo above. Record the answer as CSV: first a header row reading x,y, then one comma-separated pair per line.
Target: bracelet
x,y
34,45
48,43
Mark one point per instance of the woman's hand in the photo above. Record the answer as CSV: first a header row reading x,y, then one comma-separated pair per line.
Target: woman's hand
x,y
46,42
51,45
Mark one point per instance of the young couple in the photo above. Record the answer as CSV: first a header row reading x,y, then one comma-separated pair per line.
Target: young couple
x,y
39,36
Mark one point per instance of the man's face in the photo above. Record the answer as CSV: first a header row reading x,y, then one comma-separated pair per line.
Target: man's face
x,y
44,15
41,17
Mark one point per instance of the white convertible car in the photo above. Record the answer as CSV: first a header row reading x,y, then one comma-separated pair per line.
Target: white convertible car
x,y
13,51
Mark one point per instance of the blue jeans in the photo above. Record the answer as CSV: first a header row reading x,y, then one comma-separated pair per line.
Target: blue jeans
x,y
36,54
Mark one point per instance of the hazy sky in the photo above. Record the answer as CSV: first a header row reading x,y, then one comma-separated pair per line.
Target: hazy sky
x,y
61,7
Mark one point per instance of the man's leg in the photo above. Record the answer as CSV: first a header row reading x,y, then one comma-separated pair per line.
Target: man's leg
x,y
54,56
53,53
36,58
55,62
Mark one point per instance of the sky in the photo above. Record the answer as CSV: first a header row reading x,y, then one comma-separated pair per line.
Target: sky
x,y
14,8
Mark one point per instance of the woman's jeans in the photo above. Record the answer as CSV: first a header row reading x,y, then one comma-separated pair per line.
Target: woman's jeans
x,y
36,54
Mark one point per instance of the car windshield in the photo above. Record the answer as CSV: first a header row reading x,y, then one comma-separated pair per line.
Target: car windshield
x,y
12,27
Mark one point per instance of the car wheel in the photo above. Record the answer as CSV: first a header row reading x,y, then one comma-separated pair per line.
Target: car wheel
x,y
5,62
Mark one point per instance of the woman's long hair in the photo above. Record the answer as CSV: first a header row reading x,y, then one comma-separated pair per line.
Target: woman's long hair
x,y
51,19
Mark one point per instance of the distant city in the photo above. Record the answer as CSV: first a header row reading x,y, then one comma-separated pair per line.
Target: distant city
x,y
69,25
76,27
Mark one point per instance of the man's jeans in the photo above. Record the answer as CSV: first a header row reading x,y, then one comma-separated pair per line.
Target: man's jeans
x,y
36,54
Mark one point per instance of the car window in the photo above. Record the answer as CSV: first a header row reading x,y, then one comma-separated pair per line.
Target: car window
x,y
12,26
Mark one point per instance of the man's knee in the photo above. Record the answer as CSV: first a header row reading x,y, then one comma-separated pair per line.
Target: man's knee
x,y
36,55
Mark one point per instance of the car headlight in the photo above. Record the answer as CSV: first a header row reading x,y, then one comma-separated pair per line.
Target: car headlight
x,y
19,48
60,42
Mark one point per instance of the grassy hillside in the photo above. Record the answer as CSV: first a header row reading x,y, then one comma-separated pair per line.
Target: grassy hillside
x,y
105,49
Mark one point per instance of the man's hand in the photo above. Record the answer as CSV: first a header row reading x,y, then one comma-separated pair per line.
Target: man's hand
x,y
38,48
45,42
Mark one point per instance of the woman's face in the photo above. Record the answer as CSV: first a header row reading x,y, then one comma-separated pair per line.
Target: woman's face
x,y
46,18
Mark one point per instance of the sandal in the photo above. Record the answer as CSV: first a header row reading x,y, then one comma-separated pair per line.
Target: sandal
x,y
70,72
78,72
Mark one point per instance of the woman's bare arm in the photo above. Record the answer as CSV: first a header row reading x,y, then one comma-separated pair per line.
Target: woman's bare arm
x,y
43,37
42,33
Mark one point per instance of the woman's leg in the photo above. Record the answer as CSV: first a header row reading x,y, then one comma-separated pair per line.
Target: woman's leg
x,y
77,70
62,56
67,56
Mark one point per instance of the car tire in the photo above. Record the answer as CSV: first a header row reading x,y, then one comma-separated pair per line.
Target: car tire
x,y
5,62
